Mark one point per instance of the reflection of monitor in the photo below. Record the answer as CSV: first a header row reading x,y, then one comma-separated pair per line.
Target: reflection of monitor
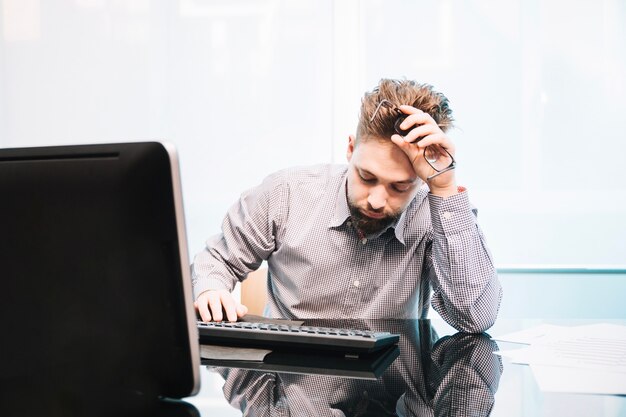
x,y
95,292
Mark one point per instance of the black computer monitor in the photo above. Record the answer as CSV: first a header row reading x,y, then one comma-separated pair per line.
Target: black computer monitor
x,y
95,292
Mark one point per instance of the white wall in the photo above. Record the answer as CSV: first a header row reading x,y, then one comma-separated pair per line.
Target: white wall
x,y
245,87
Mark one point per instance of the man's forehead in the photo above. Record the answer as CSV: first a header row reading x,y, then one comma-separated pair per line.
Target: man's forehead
x,y
385,174
384,160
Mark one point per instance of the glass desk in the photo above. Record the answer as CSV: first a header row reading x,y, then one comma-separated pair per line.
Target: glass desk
x,y
438,372
435,372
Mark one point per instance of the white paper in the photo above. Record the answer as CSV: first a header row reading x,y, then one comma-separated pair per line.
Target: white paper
x,y
521,356
599,347
529,336
582,359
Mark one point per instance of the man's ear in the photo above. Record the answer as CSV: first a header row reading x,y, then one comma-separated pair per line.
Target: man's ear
x,y
351,146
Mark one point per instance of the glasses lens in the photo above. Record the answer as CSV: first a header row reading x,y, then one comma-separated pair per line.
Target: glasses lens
x,y
437,157
397,124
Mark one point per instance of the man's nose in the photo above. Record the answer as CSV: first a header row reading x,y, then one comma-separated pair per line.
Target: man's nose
x,y
377,198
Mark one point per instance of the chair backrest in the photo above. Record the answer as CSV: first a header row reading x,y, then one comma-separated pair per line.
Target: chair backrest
x,y
254,291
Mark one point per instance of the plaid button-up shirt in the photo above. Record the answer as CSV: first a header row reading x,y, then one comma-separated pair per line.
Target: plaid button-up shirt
x,y
319,267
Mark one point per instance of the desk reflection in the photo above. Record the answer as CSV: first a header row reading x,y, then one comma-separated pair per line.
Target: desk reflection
x,y
449,376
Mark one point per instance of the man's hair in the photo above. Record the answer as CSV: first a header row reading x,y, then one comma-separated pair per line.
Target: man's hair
x,y
399,92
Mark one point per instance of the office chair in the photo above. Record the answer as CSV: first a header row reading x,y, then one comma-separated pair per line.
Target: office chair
x,y
254,291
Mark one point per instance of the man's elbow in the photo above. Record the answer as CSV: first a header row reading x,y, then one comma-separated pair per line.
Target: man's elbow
x,y
480,317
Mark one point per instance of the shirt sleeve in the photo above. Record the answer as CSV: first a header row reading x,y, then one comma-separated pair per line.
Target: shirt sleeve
x,y
466,289
461,364
254,392
247,238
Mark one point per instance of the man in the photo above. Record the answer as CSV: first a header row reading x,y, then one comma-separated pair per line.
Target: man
x,y
370,239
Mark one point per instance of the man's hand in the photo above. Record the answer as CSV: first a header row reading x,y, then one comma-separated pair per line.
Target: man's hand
x,y
423,126
210,304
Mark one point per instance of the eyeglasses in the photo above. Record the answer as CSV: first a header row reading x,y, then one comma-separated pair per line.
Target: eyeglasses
x,y
437,156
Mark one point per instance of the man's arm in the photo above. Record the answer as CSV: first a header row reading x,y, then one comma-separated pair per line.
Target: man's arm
x,y
459,267
254,393
247,238
465,363
466,289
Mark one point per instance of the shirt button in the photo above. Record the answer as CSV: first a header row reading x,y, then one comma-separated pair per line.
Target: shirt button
x,y
349,224
364,240
357,283
447,215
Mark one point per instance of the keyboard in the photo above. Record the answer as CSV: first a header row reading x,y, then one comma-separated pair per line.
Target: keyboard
x,y
282,336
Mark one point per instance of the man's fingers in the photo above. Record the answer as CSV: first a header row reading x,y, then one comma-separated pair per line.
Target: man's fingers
x,y
215,304
229,305
401,143
203,308
437,139
409,149
417,134
415,119
242,310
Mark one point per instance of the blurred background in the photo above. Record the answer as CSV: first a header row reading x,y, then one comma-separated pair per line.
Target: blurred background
x,y
246,87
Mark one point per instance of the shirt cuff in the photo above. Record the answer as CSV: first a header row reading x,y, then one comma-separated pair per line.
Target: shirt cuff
x,y
206,284
452,214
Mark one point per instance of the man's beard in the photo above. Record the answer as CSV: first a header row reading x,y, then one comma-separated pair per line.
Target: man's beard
x,y
367,225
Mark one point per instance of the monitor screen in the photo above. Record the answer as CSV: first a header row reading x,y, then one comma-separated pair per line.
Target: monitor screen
x,y
95,289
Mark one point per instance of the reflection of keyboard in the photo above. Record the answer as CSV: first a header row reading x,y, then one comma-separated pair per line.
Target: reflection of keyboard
x,y
278,336
368,366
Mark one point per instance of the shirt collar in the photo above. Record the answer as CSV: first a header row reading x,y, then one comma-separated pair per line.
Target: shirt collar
x,y
341,212
399,227
422,194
